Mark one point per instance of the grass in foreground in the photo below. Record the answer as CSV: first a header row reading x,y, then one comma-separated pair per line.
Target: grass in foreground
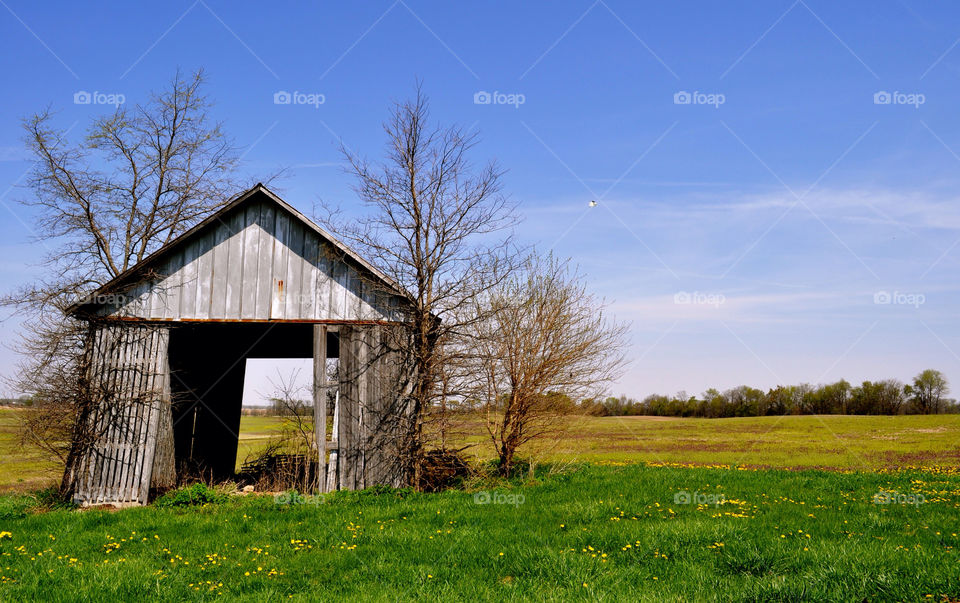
x,y
611,533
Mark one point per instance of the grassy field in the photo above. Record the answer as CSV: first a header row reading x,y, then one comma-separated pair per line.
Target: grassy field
x,y
838,442
594,533
835,442
22,468
842,442
255,433
621,509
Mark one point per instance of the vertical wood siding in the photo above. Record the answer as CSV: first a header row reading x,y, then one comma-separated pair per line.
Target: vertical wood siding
x,y
257,262
130,387
371,410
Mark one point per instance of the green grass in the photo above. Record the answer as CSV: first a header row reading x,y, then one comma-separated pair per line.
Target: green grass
x,y
777,536
597,533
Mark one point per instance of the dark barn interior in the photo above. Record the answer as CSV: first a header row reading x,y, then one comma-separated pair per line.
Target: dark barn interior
x,y
207,363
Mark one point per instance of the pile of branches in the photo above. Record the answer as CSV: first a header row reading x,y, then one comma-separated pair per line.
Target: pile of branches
x,y
443,469
274,470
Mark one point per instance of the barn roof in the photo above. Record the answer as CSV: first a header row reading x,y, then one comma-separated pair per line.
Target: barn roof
x,y
147,269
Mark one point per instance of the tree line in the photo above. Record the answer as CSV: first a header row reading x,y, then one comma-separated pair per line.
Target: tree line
x,y
926,394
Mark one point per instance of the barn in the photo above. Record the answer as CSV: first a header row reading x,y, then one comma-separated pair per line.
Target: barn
x,y
166,344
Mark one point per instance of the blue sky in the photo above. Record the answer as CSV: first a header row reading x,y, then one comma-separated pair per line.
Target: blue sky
x,y
748,235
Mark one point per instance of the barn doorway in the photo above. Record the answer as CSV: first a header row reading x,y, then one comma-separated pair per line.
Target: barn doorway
x,y
207,363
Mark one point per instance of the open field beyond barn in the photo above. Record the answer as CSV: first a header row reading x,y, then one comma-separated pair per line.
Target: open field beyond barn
x,y
863,443
593,533
831,441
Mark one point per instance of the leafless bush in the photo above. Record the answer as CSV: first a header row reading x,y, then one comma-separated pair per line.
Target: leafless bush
x,y
543,341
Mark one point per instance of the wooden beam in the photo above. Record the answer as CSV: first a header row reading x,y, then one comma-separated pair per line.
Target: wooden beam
x,y
320,403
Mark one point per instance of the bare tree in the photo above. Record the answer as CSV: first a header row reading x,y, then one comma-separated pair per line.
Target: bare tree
x,y
141,176
541,335
434,230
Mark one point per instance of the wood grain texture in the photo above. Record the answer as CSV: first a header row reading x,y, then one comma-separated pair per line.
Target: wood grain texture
x,y
257,262
131,388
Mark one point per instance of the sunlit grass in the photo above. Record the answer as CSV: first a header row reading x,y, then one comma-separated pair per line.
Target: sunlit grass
x,y
618,533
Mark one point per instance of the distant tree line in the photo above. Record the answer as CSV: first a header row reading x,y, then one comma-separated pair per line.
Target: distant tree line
x,y
927,394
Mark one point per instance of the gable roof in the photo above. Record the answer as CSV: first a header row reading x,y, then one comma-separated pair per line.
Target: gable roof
x,y
129,277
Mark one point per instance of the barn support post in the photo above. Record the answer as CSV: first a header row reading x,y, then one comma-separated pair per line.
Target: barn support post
x,y
320,386
333,469
164,474
348,453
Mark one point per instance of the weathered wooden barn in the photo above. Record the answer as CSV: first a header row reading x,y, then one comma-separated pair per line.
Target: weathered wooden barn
x,y
168,340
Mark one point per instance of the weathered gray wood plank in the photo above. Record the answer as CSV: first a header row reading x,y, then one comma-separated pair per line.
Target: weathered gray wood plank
x,y
251,262
232,277
267,247
320,387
